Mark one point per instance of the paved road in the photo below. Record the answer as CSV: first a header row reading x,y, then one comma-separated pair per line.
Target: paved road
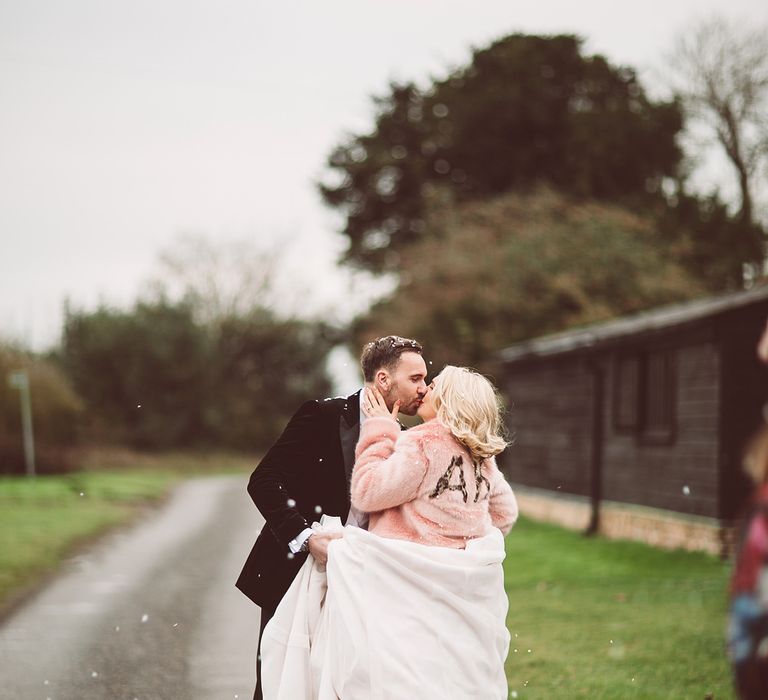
x,y
148,613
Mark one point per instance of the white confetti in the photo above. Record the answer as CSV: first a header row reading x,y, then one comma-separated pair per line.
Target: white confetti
x,y
144,617
318,509
291,503
94,674
686,490
117,629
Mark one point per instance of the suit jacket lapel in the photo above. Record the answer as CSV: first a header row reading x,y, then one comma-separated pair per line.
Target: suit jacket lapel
x,y
349,431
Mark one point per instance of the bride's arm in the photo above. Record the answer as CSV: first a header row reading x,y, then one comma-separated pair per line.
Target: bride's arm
x,y
389,466
503,504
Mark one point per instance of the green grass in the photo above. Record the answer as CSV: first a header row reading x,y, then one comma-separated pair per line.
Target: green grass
x,y
612,620
45,518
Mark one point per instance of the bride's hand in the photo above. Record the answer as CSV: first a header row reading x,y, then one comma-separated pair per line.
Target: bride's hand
x,y
374,405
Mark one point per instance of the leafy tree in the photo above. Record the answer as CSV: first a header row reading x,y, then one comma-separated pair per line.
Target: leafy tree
x,y
711,244
155,377
263,369
142,373
519,266
527,110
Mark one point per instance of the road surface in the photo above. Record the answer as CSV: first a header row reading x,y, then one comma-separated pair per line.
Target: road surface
x,y
148,613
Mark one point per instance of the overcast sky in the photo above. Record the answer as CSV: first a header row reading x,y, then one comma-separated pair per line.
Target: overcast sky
x,y
124,124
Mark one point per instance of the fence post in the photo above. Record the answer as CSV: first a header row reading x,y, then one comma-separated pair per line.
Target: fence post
x,y
20,380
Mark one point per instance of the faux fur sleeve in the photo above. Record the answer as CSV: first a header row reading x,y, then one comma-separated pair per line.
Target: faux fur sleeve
x,y
389,466
503,504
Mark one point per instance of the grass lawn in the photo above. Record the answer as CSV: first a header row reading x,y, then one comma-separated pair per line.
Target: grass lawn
x,y
43,519
605,619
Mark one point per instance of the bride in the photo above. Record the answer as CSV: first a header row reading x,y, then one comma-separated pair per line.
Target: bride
x,y
415,606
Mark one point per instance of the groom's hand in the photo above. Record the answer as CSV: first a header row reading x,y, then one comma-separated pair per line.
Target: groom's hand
x,y
318,545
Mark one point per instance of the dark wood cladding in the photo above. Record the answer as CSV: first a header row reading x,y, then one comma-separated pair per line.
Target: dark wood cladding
x,y
681,450
679,474
549,419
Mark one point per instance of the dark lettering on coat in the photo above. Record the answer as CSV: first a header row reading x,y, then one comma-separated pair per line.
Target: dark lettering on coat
x,y
444,482
479,479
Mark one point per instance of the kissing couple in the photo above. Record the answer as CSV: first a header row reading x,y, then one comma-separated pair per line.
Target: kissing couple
x,y
379,570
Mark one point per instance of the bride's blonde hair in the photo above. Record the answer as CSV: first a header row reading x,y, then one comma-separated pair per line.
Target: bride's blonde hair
x,y
470,407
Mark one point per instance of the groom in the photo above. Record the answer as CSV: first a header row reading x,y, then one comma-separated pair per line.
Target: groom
x,y
306,473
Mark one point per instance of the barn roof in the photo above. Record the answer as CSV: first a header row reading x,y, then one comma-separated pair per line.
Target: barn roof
x,y
606,332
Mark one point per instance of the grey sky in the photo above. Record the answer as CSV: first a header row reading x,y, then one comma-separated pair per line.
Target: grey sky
x,y
123,124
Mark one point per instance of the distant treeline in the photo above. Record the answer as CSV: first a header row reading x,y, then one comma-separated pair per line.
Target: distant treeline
x,y
154,377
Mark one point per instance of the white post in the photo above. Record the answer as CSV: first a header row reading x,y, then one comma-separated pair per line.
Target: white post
x,y
20,380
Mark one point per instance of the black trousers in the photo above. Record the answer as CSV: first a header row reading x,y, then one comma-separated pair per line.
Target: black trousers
x,y
266,616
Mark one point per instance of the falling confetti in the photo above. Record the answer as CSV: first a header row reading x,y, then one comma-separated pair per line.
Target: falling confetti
x,y
144,617
686,490
290,555
318,509
291,503
117,629
138,405
94,674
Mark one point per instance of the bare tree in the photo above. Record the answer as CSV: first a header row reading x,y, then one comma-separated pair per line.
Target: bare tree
x,y
220,279
721,73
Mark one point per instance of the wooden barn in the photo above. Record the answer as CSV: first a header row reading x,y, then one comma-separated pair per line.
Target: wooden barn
x,y
635,427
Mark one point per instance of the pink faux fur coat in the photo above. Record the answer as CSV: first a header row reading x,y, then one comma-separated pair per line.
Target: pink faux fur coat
x,y
421,485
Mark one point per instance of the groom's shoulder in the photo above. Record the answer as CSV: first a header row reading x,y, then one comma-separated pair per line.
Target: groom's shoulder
x,y
336,404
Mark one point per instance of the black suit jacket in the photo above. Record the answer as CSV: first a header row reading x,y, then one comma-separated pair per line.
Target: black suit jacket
x,y
304,474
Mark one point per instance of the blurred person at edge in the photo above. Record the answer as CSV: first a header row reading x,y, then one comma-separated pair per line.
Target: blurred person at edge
x,y
307,472
747,634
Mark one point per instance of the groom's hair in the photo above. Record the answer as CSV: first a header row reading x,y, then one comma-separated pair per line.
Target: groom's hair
x,y
385,353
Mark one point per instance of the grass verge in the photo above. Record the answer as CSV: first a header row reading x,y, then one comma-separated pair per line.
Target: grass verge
x,y
45,519
610,620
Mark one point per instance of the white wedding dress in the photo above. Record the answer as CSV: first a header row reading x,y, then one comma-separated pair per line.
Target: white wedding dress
x,y
391,620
